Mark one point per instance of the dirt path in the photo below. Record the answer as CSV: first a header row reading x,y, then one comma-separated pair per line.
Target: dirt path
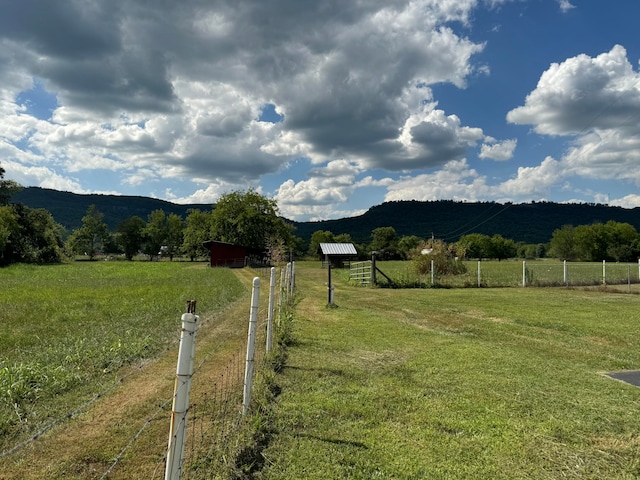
x,y
85,446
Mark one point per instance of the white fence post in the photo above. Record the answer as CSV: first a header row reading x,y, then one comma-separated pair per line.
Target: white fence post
x,y
184,373
565,273
272,296
432,272
479,280
604,272
524,273
251,345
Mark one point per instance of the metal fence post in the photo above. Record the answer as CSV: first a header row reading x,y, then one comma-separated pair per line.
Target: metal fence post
x,y
604,272
251,345
565,273
479,274
524,273
184,373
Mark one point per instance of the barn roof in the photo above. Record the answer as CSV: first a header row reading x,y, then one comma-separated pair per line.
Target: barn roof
x,y
337,249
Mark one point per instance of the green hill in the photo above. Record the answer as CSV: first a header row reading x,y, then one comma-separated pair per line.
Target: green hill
x,y
446,220
69,208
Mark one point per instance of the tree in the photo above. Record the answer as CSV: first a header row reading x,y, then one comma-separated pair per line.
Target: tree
x,y
29,236
7,188
384,242
91,236
623,239
130,236
248,219
562,245
196,232
318,237
155,233
408,244
475,245
502,248
174,238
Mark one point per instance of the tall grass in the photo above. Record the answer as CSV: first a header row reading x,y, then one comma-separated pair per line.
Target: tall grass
x,y
67,329
457,383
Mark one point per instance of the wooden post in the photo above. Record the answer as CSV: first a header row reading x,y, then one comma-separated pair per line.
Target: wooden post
x,y
374,280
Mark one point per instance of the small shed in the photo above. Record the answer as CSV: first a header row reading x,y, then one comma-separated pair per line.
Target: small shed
x,y
337,253
224,254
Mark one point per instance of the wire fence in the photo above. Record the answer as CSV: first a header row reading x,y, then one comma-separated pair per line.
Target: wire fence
x,y
217,430
508,273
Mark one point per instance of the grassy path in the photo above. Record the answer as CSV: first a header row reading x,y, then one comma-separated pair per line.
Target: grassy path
x,y
455,384
85,446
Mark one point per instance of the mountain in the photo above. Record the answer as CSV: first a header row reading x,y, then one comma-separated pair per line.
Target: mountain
x,y
446,220
68,208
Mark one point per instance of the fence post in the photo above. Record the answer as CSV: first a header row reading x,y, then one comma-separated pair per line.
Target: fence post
x,y
272,296
432,272
604,272
524,273
184,373
479,281
251,345
374,280
565,276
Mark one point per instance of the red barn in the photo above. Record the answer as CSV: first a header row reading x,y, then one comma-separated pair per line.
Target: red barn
x,y
224,254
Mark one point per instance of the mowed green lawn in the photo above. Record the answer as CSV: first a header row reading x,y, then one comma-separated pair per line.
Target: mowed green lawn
x,y
68,329
457,383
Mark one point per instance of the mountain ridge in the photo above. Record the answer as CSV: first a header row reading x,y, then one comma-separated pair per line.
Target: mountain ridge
x,y
444,219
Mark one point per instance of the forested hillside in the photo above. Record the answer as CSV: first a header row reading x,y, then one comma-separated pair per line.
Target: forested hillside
x,y
446,220
69,208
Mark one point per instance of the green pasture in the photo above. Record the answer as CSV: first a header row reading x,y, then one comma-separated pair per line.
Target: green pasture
x,y
509,273
67,329
500,383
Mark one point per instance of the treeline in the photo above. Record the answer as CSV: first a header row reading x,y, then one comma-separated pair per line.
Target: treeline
x,y
31,235
612,241
242,218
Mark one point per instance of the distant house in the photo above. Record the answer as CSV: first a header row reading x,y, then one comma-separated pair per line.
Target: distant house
x,y
337,253
224,254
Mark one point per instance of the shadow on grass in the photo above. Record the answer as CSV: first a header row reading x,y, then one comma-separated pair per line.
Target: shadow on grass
x,y
333,440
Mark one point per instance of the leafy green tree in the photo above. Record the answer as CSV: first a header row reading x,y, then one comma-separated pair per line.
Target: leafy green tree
x,y
318,237
475,245
384,242
562,244
591,242
196,231
7,188
155,233
407,245
248,219
29,236
502,248
175,236
622,241
130,236
91,236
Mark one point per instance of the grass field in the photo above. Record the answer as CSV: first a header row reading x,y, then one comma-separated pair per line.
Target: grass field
x,y
68,329
497,383
501,383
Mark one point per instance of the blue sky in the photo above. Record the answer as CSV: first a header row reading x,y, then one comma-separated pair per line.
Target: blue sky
x,y
329,107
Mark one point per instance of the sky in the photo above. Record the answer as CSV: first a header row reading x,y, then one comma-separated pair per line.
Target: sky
x,y
327,106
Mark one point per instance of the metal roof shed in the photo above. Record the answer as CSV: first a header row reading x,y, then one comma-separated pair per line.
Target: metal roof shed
x,y
337,253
